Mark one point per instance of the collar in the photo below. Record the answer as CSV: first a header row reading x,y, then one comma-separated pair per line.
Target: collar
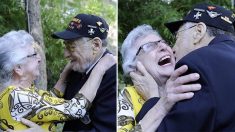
x,y
221,38
93,65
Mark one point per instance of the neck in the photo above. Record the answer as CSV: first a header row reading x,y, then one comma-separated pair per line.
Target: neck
x,y
205,41
97,57
99,54
21,82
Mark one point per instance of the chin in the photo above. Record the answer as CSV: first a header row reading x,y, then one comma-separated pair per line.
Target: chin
x,y
78,69
167,71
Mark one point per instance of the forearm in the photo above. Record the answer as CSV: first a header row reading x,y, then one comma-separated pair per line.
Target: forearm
x,y
45,107
89,89
60,87
154,117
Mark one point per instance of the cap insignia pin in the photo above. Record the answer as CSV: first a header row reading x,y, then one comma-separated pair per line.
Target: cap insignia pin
x,y
99,23
225,18
197,15
102,30
212,14
233,15
91,31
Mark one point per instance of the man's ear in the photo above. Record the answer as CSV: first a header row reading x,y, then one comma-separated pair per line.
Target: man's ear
x,y
18,70
199,32
97,44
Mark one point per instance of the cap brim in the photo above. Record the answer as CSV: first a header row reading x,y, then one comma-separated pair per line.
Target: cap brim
x,y
66,35
174,26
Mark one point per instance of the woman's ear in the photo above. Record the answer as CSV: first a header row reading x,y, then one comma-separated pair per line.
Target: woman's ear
x,y
18,70
199,32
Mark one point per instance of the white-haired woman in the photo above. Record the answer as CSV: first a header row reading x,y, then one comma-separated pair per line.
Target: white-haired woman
x,y
19,67
149,61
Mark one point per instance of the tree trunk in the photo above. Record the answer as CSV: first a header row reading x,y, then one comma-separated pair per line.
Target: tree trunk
x,y
35,29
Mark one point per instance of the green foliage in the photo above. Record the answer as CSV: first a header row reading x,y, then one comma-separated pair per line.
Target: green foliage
x,y
132,13
56,14
12,16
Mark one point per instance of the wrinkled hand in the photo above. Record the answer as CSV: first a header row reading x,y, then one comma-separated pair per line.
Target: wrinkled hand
x,y
33,127
105,63
144,83
177,88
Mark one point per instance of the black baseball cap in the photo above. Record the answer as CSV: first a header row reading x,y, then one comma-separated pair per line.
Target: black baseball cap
x,y
84,25
211,15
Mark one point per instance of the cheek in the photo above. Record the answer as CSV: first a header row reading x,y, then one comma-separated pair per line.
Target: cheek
x,y
148,61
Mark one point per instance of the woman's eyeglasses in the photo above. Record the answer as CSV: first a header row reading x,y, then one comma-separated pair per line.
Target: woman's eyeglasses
x,y
148,47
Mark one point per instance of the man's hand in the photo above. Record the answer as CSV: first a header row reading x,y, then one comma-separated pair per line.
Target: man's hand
x,y
177,88
33,127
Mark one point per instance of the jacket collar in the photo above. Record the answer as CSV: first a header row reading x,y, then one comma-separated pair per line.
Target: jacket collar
x,y
221,38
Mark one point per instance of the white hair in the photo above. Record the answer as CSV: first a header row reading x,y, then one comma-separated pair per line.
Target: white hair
x,y
12,52
127,50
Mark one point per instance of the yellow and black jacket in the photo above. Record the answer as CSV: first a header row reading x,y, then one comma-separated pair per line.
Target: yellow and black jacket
x,y
38,106
129,105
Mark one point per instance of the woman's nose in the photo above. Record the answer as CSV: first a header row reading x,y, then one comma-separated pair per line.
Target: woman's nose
x,y
162,46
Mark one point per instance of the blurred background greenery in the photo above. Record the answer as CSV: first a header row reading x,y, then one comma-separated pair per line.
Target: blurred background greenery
x,y
55,15
132,13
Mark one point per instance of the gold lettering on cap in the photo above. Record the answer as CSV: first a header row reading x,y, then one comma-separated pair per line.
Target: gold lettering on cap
x,y
76,20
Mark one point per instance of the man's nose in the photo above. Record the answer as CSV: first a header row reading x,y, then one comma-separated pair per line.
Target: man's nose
x,y
173,49
38,57
66,53
174,52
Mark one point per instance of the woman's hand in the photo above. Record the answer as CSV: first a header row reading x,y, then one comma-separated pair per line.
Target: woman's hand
x,y
105,63
33,127
66,71
144,83
177,88
60,84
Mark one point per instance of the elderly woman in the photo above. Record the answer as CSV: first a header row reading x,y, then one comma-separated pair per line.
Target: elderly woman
x,y
150,62
19,67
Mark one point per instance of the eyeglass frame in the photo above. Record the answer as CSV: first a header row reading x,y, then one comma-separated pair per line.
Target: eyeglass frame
x,y
155,42
176,33
69,49
29,56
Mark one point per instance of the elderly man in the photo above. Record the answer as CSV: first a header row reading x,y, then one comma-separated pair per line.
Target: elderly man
x,y
85,42
205,43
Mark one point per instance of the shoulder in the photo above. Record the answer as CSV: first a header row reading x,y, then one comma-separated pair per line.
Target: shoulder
x,y
199,56
7,90
213,50
111,72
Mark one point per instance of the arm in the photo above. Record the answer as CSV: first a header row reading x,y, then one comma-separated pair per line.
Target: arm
x,y
59,88
44,107
33,127
174,91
